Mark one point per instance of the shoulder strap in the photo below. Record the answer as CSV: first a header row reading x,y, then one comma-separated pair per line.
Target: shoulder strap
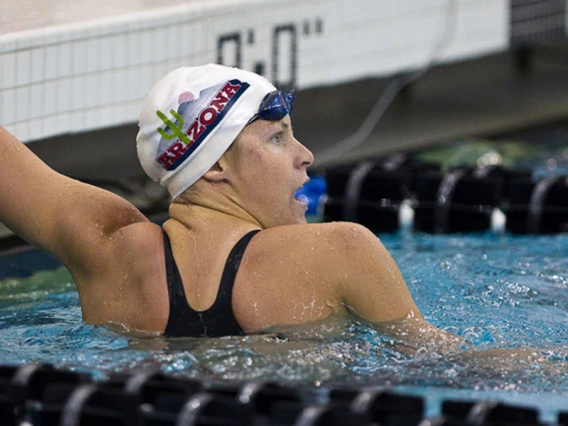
x,y
219,319
176,293
225,295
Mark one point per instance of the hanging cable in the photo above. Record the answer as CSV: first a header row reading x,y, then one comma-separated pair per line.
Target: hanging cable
x,y
386,98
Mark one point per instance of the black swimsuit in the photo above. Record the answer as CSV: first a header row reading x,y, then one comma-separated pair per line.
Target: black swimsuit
x,y
219,319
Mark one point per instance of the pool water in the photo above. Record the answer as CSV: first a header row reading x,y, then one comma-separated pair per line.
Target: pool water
x,y
496,291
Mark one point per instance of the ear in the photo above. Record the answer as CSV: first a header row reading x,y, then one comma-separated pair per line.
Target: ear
x,y
217,173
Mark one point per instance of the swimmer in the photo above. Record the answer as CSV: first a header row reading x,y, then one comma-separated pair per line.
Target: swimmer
x,y
236,254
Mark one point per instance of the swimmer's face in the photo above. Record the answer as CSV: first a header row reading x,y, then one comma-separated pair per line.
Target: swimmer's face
x,y
270,165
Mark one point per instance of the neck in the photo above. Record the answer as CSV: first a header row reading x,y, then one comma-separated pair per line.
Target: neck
x,y
195,212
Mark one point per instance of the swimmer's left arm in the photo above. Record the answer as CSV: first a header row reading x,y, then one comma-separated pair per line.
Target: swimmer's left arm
x,y
369,280
65,217
374,289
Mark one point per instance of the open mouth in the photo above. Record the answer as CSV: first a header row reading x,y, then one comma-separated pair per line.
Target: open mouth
x,y
300,193
300,196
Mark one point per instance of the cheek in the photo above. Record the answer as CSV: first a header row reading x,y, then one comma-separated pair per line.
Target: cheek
x,y
266,172
263,165
248,165
253,152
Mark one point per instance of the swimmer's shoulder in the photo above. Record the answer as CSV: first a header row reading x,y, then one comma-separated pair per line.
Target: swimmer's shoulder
x,y
296,273
337,233
131,250
322,242
128,285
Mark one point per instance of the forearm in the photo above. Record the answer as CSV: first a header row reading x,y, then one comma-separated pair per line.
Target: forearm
x,y
415,335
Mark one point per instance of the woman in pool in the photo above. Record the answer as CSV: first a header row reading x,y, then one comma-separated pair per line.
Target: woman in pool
x,y
236,255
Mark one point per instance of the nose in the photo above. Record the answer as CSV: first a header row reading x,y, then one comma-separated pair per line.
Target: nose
x,y
305,158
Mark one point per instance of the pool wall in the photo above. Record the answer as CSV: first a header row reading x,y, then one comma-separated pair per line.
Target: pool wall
x,y
99,69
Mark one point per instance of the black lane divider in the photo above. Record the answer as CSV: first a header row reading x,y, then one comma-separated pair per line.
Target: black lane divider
x,y
40,395
372,192
444,199
465,199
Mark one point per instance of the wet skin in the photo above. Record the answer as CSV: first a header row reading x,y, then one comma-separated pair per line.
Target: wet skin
x,y
292,272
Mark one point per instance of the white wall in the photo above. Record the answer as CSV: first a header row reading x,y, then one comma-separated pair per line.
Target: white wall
x,y
86,76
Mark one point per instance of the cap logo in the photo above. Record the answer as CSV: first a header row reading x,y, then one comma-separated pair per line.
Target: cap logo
x,y
175,129
205,113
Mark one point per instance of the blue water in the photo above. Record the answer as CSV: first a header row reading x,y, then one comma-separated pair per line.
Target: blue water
x,y
496,291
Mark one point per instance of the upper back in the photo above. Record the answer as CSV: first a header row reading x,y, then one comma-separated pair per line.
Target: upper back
x,y
288,275
284,276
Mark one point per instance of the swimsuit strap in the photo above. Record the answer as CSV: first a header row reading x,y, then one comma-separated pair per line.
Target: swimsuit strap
x,y
219,319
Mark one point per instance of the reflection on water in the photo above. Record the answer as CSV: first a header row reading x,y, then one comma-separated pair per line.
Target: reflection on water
x,y
496,292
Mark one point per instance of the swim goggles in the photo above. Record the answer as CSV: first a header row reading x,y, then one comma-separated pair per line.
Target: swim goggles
x,y
274,107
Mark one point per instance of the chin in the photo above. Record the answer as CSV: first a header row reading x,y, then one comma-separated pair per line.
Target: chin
x,y
292,221
291,216
299,221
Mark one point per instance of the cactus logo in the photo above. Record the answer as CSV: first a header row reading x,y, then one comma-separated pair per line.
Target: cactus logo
x,y
194,120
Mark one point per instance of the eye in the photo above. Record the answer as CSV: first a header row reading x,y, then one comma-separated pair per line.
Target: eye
x,y
277,138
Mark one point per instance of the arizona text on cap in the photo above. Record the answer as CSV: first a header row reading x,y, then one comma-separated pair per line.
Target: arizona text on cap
x,y
191,117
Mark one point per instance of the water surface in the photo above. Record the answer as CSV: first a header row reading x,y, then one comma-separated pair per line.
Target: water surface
x,y
496,291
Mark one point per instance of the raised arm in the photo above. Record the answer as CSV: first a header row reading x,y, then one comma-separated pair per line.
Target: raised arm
x,y
69,219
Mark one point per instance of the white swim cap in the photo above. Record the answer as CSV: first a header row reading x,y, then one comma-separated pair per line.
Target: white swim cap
x,y
191,117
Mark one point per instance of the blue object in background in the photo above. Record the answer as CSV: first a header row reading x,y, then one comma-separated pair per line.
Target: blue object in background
x,y
313,194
